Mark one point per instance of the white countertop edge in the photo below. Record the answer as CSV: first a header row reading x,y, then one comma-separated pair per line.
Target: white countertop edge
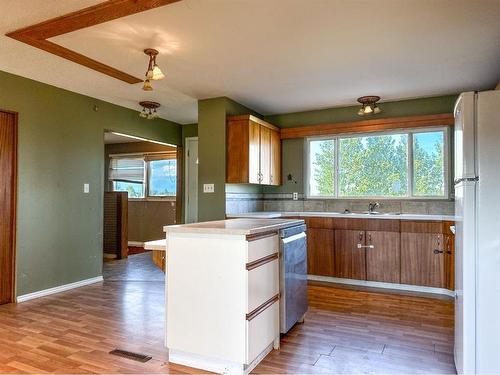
x,y
277,215
192,228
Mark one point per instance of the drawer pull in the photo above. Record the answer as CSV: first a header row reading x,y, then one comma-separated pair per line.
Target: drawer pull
x,y
261,261
259,236
262,307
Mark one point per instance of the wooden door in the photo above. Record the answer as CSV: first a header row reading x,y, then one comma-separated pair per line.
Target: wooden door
x,y
383,261
265,155
275,177
320,252
8,188
422,259
350,260
253,152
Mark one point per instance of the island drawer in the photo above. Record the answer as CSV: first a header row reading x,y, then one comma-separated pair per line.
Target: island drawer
x,y
262,329
263,245
263,281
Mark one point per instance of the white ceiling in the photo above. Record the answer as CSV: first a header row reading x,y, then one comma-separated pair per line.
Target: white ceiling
x,y
274,56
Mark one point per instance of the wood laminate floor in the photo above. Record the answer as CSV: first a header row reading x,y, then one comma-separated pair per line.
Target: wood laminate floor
x,y
345,331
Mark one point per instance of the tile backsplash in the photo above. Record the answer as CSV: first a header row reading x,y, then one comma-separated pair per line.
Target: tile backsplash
x,y
237,203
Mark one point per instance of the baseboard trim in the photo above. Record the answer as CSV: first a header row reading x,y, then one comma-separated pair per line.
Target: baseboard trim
x,y
136,243
58,289
378,284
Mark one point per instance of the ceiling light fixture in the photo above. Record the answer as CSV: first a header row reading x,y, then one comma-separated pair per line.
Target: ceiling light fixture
x,y
149,110
369,105
154,72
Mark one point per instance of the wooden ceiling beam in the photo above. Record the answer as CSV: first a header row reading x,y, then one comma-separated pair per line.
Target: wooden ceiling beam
x,y
36,35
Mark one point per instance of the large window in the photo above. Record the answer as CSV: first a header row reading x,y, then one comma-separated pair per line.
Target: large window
x,y
144,176
404,164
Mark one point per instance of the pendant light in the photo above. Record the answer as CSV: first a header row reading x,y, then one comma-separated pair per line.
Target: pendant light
x,y
154,72
369,105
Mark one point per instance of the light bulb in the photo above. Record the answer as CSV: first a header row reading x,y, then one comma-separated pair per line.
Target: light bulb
x,y
147,85
149,74
143,114
157,73
376,110
361,112
368,109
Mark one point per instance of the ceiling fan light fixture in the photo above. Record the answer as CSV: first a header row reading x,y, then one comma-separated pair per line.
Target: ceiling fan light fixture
x,y
157,74
147,85
369,105
153,72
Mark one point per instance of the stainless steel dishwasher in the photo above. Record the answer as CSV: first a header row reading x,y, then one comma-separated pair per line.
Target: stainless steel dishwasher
x,y
293,276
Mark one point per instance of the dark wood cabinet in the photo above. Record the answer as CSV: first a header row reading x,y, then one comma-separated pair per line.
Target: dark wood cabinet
x,y
350,258
320,251
422,259
391,251
383,257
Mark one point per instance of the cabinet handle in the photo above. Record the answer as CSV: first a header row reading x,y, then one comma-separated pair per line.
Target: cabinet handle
x,y
360,237
367,246
436,251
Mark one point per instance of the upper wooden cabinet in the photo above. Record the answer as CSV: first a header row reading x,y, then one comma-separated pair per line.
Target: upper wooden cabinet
x,y
253,151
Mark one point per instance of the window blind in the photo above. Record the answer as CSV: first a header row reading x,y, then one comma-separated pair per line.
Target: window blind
x,y
127,169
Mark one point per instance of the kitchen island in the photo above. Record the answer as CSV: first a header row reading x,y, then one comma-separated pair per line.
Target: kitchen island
x,y
223,290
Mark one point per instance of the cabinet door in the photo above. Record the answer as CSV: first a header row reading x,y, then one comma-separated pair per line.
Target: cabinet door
x,y
275,177
265,155
383,261
253,153
422,259
320,251
350,260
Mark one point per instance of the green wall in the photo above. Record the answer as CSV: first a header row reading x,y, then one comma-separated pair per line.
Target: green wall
x,y
212,153
412,107
61,147
293,149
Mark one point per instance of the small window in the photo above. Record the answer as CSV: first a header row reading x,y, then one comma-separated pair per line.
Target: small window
x,y
163,178
144,176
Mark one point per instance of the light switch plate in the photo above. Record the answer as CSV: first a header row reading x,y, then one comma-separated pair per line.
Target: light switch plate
x,y
86,188
295,196
208,188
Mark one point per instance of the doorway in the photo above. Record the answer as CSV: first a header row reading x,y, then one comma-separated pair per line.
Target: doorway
x,y
191,180
8,189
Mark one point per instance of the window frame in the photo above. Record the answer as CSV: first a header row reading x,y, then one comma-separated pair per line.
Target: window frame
x,y
147,196
411,183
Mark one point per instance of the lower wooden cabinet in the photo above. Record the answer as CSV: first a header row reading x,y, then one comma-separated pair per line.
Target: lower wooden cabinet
x,y
416,253
159,259
320,251
350,259
383,257
422,259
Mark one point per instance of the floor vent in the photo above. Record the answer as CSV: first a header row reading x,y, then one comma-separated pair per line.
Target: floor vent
x,y
130,355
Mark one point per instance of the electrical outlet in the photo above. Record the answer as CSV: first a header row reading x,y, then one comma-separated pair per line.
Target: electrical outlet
x,y
86,188
295,196
208,188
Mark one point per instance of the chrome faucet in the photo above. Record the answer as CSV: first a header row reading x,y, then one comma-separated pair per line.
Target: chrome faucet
x,y
372,206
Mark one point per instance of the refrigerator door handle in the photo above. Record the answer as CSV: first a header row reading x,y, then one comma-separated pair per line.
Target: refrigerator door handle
x,y
466,179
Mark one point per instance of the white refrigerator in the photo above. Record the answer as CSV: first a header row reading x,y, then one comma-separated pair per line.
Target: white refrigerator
x,y
477,208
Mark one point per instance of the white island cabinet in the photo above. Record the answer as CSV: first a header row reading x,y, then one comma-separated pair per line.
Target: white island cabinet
x,y
222,287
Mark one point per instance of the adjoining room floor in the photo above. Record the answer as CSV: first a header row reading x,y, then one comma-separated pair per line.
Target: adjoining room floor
x,y
137,267
345,332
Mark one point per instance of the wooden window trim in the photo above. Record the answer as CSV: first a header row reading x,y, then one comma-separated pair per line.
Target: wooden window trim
x,y
366,126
